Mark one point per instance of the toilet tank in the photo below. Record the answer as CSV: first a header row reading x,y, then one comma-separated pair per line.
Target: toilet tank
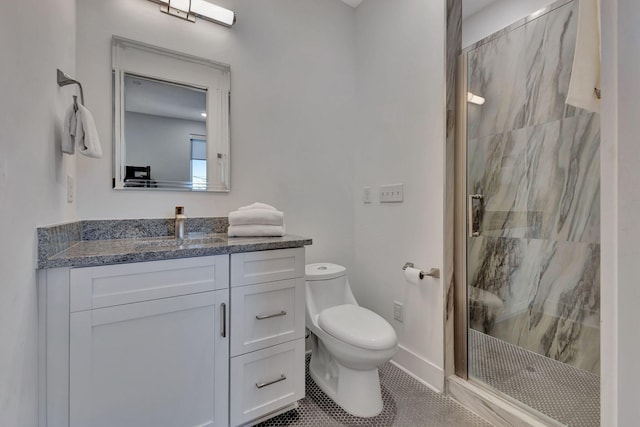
x,y
326,286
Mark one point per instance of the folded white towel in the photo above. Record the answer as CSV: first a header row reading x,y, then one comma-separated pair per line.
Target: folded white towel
x,y
257,205
256,216
69,131
585,74
255,231
86,135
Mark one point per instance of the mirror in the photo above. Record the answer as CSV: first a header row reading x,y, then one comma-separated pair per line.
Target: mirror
x,y
171,119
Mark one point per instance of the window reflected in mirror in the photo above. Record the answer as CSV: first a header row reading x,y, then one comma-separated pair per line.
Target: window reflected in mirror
x,y
198,161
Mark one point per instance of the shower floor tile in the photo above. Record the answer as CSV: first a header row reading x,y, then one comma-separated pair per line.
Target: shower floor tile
x,y
560,391
407,402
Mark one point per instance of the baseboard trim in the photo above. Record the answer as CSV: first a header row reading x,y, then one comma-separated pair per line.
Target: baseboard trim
x,y
493,408
419,368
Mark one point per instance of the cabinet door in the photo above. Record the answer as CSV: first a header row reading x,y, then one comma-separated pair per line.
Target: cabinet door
x,y
156,363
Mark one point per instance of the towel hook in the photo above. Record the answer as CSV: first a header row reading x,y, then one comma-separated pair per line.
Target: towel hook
x,y
64,80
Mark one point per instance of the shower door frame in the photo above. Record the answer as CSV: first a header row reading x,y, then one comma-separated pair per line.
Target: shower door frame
x,y
460,333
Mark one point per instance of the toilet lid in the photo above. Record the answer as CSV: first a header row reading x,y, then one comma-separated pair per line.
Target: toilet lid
x,y
323,271
358,326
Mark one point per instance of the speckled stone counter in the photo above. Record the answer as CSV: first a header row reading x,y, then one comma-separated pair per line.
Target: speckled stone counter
x,y
89,243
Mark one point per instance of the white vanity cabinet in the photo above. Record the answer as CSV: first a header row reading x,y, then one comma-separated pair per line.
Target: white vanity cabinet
x,y
140,344
267,334
203,341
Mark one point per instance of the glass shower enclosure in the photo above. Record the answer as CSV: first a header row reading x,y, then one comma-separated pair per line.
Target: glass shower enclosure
x,y
532,220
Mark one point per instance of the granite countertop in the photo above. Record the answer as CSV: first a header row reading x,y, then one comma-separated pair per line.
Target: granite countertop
x,y
70,245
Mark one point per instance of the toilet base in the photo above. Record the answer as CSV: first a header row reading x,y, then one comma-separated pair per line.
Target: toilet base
x,y
355,391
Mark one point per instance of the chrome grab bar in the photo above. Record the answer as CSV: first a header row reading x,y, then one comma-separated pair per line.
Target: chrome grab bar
x,y
277,380
269,316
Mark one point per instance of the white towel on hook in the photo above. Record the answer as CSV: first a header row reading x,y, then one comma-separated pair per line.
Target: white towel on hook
x,y
585,73
69,131
86,135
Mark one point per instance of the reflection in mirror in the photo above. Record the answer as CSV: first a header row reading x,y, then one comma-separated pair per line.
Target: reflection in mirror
x,y
161,122
171,120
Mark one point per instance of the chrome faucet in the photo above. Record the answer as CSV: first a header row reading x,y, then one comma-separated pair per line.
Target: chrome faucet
x,y
180,220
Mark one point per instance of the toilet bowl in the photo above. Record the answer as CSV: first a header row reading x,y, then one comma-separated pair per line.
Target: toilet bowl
x,y
349,342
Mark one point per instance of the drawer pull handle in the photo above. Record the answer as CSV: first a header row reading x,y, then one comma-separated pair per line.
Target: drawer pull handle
x,y
277,380
269,316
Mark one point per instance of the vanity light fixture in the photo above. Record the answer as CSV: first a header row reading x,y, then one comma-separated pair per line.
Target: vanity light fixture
x,y
189,9
474,99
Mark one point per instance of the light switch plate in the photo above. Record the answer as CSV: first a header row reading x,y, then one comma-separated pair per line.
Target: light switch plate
x,y
366,195
393,193
70,189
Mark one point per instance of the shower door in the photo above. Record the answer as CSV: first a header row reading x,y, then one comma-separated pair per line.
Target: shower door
x,y
532,220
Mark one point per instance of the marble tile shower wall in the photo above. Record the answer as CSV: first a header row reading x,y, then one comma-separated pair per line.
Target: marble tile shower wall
x,y
536,161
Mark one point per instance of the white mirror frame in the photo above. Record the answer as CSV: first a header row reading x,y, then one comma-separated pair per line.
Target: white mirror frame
x,y
132,57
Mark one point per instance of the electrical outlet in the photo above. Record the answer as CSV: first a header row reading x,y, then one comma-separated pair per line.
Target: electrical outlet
x,y
4,170
398,311
392,193
70,189
366,195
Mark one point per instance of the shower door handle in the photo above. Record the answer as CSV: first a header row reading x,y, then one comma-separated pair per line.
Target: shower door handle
x,y
474,214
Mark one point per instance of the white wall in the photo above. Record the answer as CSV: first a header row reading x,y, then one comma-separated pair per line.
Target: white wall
x,y
628,218
608,220
620,207
294,79
35,38
400,69
292,83
496,16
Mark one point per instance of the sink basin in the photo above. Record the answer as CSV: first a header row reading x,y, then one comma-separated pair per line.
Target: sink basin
x,y
172,242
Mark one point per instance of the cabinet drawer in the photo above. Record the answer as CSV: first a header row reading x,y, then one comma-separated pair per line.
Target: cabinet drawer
x,y
109,285
266,380
267,266
266,314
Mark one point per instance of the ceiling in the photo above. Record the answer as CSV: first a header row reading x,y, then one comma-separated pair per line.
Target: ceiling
x,y
353,3
164,99
469,7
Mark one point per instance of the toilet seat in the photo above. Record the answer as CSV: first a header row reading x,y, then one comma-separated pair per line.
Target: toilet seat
x,y
358,326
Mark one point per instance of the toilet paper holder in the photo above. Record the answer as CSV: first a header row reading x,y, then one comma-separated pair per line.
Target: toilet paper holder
x,y
434,272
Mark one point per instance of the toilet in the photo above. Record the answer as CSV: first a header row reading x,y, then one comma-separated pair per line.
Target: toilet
x,y
348,342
